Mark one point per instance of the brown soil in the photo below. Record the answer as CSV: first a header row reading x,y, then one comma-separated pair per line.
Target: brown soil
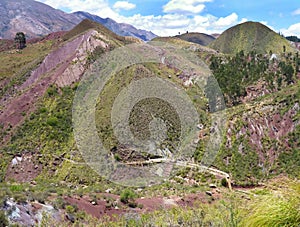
x,y
100,209
25,171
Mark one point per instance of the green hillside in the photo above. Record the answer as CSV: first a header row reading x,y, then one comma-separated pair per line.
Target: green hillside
x,y
195,37
251,36
87,24
259,150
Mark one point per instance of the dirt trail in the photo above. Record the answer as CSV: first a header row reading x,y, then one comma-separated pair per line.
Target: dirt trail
x,y
201,168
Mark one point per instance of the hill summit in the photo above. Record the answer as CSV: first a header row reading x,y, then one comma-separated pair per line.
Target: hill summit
x,y
195,37
250,36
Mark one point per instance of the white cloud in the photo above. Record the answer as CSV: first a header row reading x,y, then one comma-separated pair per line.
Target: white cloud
x,y
292,30
99,7
296,12
167,24
124,5
172,24
227,21
266,24
185,6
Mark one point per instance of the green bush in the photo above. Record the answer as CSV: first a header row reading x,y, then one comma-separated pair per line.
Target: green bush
x,y
224,182
127,196
52,121
71,209
274,210
3,219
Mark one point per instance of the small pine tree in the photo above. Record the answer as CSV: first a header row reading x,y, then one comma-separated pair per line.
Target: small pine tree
x,y
20,40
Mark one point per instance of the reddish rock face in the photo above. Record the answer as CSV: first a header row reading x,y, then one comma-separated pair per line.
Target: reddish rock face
x,y
57,67
265,122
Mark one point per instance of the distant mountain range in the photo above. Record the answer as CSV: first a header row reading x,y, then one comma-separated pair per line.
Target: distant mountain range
x,y
37,19
118,28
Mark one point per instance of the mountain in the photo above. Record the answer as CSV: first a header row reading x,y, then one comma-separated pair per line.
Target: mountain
x,y
45,180
118,28
250,36
199,38
37,19
33,18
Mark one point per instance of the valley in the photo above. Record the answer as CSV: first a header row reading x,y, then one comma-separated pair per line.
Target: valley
x,y
231,160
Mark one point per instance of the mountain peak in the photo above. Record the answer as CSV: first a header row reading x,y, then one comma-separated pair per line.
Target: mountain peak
x,y
37,19
122,29
250,36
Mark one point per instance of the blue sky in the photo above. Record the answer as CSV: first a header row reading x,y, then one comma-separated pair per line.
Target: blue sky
x,y
169,17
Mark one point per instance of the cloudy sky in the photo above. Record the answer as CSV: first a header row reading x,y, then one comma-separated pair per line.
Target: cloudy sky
x,y
169,17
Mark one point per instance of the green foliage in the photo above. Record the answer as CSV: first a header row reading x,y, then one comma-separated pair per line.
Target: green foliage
x,y
59,203
16,67
127,196
20,40
52,90
3,219
293,38
71,209
52,121
144,111
224,182
288,160
274,210
250,36
235,73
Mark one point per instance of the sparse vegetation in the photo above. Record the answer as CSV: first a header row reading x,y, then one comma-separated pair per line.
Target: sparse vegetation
x,y
253,151
250,36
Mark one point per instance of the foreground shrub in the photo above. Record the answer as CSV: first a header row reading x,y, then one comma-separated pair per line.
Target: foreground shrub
x,y
277,209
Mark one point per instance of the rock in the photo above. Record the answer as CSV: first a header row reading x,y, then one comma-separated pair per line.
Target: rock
x,y
94,203
70,217
209,193
108,190
212,186
14,162
200,126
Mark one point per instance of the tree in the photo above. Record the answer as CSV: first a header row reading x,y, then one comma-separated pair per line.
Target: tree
x,y
20,40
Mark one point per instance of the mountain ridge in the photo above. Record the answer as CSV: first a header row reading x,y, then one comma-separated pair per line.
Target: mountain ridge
x,y
37,19
122,29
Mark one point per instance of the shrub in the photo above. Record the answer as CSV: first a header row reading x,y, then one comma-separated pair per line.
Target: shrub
x,y
71,209
52,121
3,219
224,182
274,210
59,203
127,196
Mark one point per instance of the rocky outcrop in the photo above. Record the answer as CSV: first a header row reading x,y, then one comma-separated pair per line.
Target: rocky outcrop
x,y
265,128
78,64
62,66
